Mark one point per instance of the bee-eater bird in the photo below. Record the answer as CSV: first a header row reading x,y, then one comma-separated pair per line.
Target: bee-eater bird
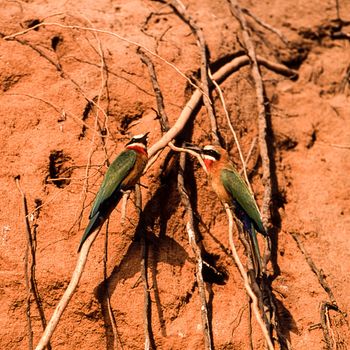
x,y
232,189
121,176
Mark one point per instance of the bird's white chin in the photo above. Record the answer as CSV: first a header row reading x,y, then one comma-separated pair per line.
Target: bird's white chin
x,y
210,158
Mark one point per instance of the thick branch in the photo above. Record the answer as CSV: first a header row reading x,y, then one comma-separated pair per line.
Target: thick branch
x,y
220,75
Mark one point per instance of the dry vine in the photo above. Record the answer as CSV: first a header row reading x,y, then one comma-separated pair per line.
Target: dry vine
x,y
163,119
325,305
220,75
246,281
208,341
30,279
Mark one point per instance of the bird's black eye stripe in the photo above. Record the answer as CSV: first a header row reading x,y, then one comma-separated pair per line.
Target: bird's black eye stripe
x,y
212,153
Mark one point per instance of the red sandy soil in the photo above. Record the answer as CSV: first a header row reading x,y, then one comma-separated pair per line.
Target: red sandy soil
x,y
46,76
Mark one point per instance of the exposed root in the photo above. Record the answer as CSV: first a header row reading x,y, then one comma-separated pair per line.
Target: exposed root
x,y
180,9
62,304
197,252
247,286
147,322
31,285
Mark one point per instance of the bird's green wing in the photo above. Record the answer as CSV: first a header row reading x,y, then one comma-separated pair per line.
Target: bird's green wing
x,y
114,176
238,189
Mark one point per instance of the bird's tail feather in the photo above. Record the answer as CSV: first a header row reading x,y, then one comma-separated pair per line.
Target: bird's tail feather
x,y
94,224
255,250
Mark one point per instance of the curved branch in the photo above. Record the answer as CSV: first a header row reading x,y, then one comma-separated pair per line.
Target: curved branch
x,y
61,306
220,75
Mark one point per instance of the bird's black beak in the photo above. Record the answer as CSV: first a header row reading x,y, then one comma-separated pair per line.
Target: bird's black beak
x,y
193,147
139,139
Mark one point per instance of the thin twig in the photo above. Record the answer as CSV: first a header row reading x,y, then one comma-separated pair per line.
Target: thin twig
x,y
156,88
217,86
125,198
319,274
30,276
144,256
328,333
262,123
14,35
192,153
325,306
197,252
180,10
51,326
26,267
190,226
266,26
246,281
107,295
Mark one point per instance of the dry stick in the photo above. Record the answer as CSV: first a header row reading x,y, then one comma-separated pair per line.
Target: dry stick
x,y
186,201
197,252
325,306
259,87
30,278
264,152
102,87
267,26
96,125
198,33
106,286
68,292
26,268
244,168
319,274
144,255
164,122
246,280
326,326
192,153
220,75
14,35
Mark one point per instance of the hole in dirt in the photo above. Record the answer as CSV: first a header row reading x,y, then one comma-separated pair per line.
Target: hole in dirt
x,y
312,140
285,142
212,273
55,41
127,120
30,23
295,55
58,173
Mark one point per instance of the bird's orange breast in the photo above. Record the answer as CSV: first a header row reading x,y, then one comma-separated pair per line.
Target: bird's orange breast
x,y
137,170
216,183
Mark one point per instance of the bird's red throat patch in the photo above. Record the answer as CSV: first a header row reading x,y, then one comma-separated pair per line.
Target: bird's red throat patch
x,y
208,163
137,148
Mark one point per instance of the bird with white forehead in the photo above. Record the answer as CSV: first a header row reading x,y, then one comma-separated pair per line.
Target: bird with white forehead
x,y
122,175
232,189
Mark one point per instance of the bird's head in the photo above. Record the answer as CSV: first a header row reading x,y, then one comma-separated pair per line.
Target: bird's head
x,y
138,142
209,153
